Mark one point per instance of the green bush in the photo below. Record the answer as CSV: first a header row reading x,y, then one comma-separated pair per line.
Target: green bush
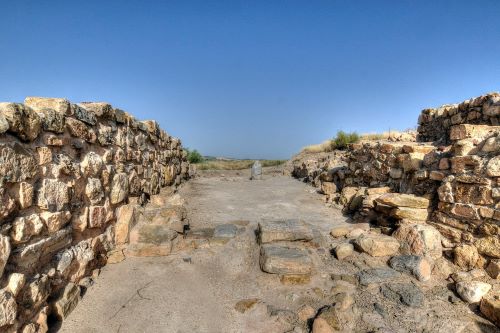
x,y
194,156
343,139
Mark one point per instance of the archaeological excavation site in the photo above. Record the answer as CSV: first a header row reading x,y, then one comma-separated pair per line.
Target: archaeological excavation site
x,y
105,226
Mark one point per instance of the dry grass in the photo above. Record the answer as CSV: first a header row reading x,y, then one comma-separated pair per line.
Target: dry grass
x,y
235,164
325,146
386,135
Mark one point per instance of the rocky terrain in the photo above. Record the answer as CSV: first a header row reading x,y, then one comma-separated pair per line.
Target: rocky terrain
x,y
404,238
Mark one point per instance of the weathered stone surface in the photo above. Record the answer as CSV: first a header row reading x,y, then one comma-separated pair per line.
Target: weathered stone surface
x,y
119,188
493,167
344,229
80,130
225,231
256,171
377,275
52,120
100,109
4,124
406,293
67,301
4,252
416,214
16,164
25,195
493,268
7,205
97,216
377,245
284,260
417,266
419,239
489,246
92,164
8,308
55,221
15,283
23,228
284,230
466,256
338,317
23,121
490,308
126,218
94,190
403,200
344,250
60,105
472,291
53,195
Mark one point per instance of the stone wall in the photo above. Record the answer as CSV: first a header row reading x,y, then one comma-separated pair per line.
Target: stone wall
x,y
435,124
65,169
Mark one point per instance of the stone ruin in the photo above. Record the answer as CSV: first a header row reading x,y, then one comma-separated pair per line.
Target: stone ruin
x,y
438,195
66,170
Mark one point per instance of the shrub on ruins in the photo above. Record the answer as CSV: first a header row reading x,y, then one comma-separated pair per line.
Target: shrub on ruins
x,y
343,139
194,156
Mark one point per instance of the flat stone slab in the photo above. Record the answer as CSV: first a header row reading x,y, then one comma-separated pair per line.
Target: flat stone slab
x,y
377,275
284,260
225,231
284,230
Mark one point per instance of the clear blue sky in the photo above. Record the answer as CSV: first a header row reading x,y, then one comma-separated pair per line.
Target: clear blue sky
x,y
256,79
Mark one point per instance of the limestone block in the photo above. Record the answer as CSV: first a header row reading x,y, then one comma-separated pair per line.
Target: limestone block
x,y
23,228
119,188
91,164
344,250
53,195
466,256
5,249
67,301
16,164
25,195
23,121
490,308
100,109
126,219
8,308
80,130
493,167
472,291
97,216
52,121
493,268
60,105
94,190
55,221
377,245
284,260
285,230
419,239
15,283
403,200
489,246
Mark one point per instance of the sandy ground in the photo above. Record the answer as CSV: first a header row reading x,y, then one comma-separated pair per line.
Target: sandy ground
x,y
196,290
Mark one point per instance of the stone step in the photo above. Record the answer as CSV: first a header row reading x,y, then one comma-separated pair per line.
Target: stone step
x,y
284,260
284,230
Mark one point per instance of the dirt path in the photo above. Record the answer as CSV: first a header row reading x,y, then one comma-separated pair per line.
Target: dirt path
x,y
197,290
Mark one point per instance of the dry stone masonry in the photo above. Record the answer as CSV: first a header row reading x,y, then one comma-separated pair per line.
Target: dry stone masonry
x,y
438,195
68,172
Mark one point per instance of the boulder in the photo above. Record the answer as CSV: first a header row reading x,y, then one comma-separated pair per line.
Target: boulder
x,y
23,121
465,256
403,200
418,266
377,245
472,291
67,301
419,239
284,260
15,283
284,230
493,268
344,250
489,246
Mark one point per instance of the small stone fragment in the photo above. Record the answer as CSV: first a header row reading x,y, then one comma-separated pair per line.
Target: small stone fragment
x,y
246,304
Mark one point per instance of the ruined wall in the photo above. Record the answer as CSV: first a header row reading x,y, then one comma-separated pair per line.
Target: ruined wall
x,y
435,124
64,170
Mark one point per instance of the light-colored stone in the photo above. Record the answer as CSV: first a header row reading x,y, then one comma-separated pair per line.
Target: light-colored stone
x,y
472,291
344,229
59,105
493,167
53,195
416,214
344,250
119,188
92,164
466,256
284,230
8,308
5,249
126,218
15,283
94,191
16,163
403,200
489,246
418,266
23,228
23,121
25,195
305,312
284,260
55,221
377,245
419,239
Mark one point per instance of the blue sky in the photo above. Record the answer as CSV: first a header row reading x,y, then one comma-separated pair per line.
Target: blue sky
x,y
253,79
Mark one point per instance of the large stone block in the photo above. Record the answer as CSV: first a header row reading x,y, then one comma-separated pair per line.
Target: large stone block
x,y
119,188
126,218
284,260
67,301
4,252
16,164
53,195
377,245
92,164
23,121
284,230
493,167
419,239
55,221
403,200
489,246
80,130
52,120
25,227
60,105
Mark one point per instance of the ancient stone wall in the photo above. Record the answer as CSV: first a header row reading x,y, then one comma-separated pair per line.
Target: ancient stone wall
x,y
435,124
65,169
